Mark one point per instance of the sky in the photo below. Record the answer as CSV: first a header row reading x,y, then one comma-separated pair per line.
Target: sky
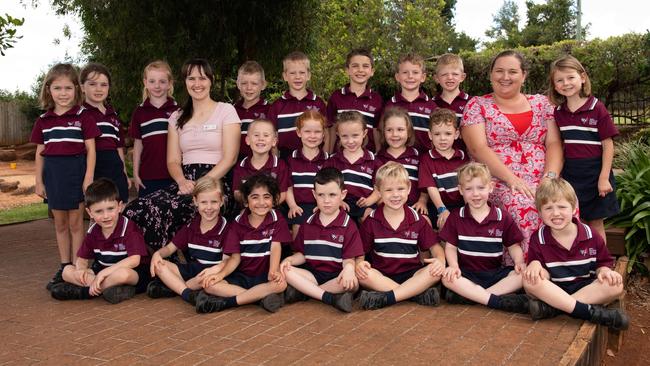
x,y
36,50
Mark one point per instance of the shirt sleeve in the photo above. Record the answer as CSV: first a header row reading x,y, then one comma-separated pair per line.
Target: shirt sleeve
x,y
427,237
284,180
281,233
273,112
181,238
134,242
352,247
237,175
88,126
367,236
231,241
298,244
603,259
230,115
134,126
86,250
511,233
331,110
606,128
425,179
473,113
320,104
449,232
120,141
534,253
37,132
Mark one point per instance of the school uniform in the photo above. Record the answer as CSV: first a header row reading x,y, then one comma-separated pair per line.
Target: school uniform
x,y
283,113
254,246
396,252
64,154
369,104
574,268
258,110
125,241
149,124
457,105
201,250
419,109
303,173
409,159
439,172
582,132
326,246
481,244
274,166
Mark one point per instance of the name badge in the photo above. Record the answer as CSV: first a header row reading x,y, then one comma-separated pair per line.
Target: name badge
x,y
209,127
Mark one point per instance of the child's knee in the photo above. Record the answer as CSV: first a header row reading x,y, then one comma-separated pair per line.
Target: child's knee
x,y
278,287
122,275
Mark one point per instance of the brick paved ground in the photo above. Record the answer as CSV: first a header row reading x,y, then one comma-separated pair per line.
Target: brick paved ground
x,y
35,329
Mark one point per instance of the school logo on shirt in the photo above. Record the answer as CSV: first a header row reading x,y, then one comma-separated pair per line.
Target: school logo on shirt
x,y
119,246
313,107
213,243
592,251
268,232
412,161
74,123
411,234
274,175
589,121
366,169
495,232
338,238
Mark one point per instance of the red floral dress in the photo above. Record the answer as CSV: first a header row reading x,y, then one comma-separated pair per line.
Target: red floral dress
x,y
523,154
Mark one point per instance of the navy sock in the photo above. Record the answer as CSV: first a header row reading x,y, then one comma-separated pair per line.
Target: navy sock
x,y
231,301
494,302
327,298
186,294
390,298
581,311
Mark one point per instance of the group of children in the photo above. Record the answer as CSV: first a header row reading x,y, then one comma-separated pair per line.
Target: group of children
x,y
393,169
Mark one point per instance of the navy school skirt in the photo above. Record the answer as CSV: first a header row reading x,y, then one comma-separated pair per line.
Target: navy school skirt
x,y
583,176
63,177
109,165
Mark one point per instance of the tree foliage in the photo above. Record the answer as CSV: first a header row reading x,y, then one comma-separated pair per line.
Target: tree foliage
x,y
505,29
8,29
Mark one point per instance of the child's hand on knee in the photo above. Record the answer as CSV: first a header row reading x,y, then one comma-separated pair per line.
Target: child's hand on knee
x,y
520,267
613,278
362,269
347,278
436,267
533,273
156,262
451,273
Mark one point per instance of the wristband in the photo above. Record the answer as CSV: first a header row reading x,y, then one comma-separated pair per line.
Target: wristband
x,y
551,175
441,209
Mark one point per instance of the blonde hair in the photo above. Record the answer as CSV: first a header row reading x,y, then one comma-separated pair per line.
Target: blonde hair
x,y
250,68
391,170
413,58
295,56
399,112
567,62
553,189
159,65
57,71
474,170
207,183
274,149
441,116
449,59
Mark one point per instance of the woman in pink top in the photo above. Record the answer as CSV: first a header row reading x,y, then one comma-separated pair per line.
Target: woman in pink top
x,y
202,138
515,135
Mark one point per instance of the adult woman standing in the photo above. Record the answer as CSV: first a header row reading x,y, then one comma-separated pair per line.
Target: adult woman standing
x,y
515,135
202,138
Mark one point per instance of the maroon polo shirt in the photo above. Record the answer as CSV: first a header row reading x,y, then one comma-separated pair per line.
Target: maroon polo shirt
x,y
369,104
440,172
109,125
457,105
587,253
583,130
254,243
259,110
480,245
396,251
149,124
203,248
275,167
358,176
325,247
283,113
409,159
64,135
419,110
125,241
303,173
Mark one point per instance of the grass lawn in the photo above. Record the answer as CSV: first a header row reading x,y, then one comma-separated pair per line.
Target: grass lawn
x,y
34,211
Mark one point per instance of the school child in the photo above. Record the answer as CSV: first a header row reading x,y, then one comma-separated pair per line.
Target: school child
x,y
357,96
201,243
587,130
396,144
261,138
326,249
475,237
449,75
65,158
117,248
250,106
252,248
284,111
393,236
95,84
149,129
304,163
357,164
410,75
438,166
569,267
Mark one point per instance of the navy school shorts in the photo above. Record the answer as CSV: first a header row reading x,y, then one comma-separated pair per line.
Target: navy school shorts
x,y
191,269
487,279
63,177
574,286
109,165
402,276
307,210
144,275
320,276
242,280
583,175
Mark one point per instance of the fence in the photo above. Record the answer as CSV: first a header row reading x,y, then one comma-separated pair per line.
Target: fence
x,y
15,128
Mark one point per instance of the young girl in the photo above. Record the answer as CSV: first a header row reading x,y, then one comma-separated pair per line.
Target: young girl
x,y
587,131
396,139
201,243
253,247
303,165
149,129
95,84
65,158
357,164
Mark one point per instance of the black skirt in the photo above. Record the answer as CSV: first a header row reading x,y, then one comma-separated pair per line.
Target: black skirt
x,y
583,175
63,178
109,165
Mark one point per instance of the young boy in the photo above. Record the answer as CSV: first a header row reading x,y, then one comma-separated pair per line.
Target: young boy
x,y
251,106
292,103
393,236
120,267
476,235
357,96
437,170
449,74
569,267
326,248
410,75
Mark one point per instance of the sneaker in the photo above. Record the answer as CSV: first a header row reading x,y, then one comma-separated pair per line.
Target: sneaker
x,y
540,310
272,302
157,289
67,291
454,298
343,302
514,303
372,300
58,278
430,297
613,318
116,294
206,303
292,295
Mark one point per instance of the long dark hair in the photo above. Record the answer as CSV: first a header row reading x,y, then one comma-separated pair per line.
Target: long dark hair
x,y
204,67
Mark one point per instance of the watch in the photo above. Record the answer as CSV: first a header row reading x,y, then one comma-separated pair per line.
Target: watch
x,y
551,175
441,209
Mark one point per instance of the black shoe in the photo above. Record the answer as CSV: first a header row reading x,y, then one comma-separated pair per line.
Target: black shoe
x,y
292,295
157,289
67,291
540,310
430,297
192,296
454,298
372,300
514,303
343,302
206,303
272,302
58,278
116,294
613,318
